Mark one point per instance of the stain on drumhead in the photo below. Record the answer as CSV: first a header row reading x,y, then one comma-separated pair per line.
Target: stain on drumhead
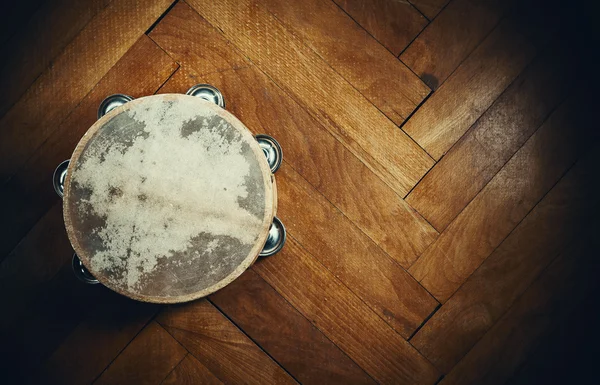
x,y
167,198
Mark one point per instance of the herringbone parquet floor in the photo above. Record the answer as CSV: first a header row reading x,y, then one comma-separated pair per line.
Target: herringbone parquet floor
x,y
438,187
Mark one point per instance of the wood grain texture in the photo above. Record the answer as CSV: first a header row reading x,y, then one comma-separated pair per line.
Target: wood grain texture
x,y
503,203
96,341
309,148
350,255
346,320
225,350
492,140
461,100
41,39
148,359
541,309
393,23
549,229
429,8
188,37
304,75
288,336
191,372
451,37
354,54
139,72
74,73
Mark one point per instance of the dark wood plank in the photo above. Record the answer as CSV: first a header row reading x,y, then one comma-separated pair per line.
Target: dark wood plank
x,y
492,140
343,317
461,100
15,16
288,336
309,148
354,54
551,226
220,345
96,341
148,359
140,72
429,8
504,202
38,43
451,37
334,102
350,255
542,308
191,372
393,23
73,74
186,36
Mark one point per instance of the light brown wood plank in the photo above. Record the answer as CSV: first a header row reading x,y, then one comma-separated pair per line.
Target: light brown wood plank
x,y
191,372
350,255
148,359
450,111
354,54
346,320
288,336
186,36
140,72
43,37
220,345
541,309
451,37
492,140
97,341
504,202
393,23
73,74
550,227
308,146
429,8
329,98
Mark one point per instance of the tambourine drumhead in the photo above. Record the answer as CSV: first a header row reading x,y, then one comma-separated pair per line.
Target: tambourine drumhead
x,y
168,198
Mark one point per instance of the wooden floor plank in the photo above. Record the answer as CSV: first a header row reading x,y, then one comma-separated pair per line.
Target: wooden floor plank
x,y
288,336
429,8
350,255
36,45
461,100
504,202
186,36
354,54
541,309
308,146
73,74
551,226
451,37
191,372
96,341
140,72
393,23
346,320
303,74
453,182
220,345
149,359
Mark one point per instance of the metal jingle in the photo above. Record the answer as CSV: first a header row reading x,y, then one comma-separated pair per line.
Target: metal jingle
x,y
59,176
81,272
111,102
272,151
275,240
207,92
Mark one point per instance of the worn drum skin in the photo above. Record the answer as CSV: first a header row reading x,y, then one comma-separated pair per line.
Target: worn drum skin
x,y
168,198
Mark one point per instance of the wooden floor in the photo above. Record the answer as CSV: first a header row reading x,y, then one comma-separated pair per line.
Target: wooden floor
x,y
438,187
